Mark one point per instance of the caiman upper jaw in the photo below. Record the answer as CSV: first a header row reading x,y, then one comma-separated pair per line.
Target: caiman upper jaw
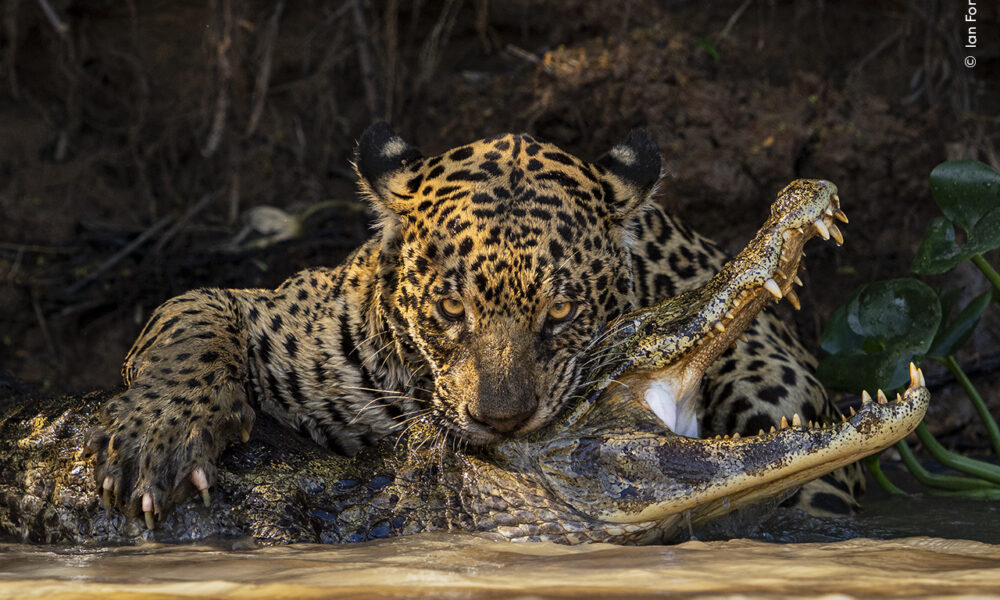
x,y
667,347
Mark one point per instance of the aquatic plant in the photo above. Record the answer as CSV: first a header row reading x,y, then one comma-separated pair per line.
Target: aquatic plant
x,y
885,325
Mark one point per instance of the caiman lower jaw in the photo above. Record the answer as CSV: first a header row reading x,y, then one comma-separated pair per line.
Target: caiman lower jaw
x,y
722,474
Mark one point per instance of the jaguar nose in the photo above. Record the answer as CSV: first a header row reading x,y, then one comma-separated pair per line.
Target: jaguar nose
x,y
502,419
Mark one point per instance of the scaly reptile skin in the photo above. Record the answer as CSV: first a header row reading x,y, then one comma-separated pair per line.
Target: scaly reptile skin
x,y
606,470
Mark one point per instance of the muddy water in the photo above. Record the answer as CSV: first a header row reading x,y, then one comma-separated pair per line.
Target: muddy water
x,y
793,556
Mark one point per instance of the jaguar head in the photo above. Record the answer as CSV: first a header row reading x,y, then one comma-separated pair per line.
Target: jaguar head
x,y
501,262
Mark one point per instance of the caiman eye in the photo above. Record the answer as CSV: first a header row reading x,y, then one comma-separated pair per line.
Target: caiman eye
x,y
560,312
451,309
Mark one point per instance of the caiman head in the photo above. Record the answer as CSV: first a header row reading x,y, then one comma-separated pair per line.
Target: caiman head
x,y
618,456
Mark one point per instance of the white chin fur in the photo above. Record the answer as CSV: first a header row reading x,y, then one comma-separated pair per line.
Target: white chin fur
x,y
677,412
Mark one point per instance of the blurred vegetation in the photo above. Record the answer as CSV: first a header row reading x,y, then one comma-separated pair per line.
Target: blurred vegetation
x,y
887,325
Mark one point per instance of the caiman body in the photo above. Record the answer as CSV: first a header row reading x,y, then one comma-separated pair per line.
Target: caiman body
x,y
609,469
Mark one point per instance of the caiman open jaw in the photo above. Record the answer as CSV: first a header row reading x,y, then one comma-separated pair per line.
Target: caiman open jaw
x,y
612,459
655,482
670,344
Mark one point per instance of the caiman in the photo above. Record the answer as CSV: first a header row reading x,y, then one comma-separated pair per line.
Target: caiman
x,y
608,469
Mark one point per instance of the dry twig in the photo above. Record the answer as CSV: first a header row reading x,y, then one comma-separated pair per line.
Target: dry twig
x,y
222,44
50,13
264,75
369,77
184,220
118,256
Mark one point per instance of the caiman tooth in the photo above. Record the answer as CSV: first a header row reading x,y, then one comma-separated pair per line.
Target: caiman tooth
x,y
899,397
725,437
796,421
835,200
798,281
840,216
784,423
843,418
743,338
760,432
866,398
853,412
730,315
922,382
772,286
736,435
881,397
793,298
785,235
821,229
836,234
916,377
719,327
773,429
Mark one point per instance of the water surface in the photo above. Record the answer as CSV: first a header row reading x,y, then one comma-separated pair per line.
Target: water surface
x,y
793,555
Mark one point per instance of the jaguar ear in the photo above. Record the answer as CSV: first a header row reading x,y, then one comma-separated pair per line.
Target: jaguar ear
x,y
383,160
634,168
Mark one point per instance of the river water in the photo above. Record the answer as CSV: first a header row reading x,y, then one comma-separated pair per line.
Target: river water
x,y
909,547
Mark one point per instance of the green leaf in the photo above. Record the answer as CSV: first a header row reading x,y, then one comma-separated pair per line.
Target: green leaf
x,y
968,193
952,337
709,47
940,251
965,190
873,337
838,336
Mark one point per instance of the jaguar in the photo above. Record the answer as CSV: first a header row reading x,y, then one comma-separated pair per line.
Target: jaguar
x,y
493,272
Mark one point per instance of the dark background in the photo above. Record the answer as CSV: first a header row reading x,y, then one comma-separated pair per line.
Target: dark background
x,y
138,139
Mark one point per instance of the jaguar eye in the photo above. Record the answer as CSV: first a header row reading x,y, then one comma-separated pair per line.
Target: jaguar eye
x,y
560,312
451,309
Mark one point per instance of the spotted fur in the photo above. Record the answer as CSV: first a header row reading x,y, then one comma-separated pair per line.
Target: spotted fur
x,y
504,231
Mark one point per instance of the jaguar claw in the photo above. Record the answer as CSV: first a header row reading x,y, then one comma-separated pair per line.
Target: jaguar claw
x,y
244,435
200,481
147,511
106,486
